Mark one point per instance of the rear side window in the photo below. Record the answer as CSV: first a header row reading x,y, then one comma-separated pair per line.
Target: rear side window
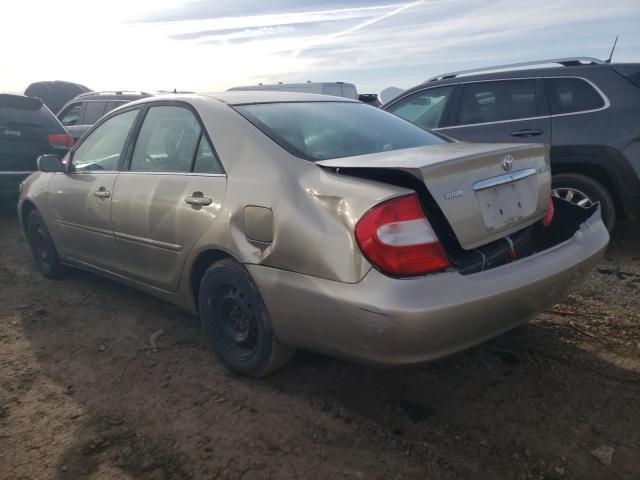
x,y
167,141
324,130
71,115
498,101
424,108
101,150
25,113
93,110
569,95
206,160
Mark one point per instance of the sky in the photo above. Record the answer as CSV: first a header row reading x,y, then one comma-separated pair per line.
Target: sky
x,y
212,45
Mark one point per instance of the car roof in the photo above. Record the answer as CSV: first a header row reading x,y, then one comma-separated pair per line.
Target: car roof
x,y
239,97
116,95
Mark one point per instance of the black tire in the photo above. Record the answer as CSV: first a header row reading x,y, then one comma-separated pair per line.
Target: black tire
x,y
236,322
42,246
592,189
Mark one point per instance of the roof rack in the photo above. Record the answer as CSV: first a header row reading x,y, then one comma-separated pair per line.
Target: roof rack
x,y
565,62
115,92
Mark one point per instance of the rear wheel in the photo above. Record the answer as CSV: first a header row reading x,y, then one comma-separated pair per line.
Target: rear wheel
x,y
42,246
584,191
236,322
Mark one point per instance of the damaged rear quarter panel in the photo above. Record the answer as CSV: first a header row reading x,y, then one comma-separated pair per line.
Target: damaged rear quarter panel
x,y
314,209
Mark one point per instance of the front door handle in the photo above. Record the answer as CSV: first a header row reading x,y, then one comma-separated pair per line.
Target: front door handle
x,y
102,193
197,198
527,132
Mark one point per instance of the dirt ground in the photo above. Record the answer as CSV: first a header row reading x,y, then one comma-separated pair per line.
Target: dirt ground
x,y
83,394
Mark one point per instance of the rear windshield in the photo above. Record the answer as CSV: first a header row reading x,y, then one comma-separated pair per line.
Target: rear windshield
x,y
324,130
24,114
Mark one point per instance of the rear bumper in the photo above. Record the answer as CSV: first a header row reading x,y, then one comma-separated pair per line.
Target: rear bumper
x,y
382,320
10,185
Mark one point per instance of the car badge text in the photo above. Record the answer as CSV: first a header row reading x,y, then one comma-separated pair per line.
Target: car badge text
x,y
452,195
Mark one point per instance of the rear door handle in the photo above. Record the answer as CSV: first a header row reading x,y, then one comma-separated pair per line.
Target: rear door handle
x,y
527,132
197,198
102,193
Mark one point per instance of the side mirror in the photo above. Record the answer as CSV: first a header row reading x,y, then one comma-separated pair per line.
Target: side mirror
x,y
50,163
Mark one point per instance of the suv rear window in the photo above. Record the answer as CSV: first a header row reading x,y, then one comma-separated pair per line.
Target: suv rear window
x,y
324,130
496,101
569,95
26,113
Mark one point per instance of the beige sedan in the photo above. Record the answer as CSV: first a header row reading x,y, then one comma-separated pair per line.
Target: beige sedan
x,y
305,221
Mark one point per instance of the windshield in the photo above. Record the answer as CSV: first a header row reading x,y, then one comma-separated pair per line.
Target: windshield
x,y
324,130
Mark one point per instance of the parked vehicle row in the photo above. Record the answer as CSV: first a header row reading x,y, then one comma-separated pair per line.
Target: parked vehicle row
x,y
586,109
80,113
291,220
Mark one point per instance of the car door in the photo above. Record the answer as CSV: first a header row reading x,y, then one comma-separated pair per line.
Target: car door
x,y
169,196
80,198
502,111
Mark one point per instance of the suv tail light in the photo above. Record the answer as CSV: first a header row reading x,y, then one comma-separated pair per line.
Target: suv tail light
x,y
60,140
396,237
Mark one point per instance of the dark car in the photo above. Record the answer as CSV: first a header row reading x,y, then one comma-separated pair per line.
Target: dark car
x,y
588,110
79,114
54,94
28,129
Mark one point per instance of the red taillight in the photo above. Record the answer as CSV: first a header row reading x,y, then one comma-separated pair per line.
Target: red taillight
x,y
397,238
548,217
60,140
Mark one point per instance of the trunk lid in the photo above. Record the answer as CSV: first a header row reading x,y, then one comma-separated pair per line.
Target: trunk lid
x,y
485,191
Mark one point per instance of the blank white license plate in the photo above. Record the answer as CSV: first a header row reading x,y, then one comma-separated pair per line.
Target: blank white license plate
x,y
503,205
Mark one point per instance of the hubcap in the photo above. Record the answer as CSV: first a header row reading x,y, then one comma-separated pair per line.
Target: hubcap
x,y
574,196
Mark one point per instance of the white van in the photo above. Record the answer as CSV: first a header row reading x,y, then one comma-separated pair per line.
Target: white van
x,y
337,89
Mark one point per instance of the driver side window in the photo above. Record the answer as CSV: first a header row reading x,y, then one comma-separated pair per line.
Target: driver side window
x,y
423,108
102,149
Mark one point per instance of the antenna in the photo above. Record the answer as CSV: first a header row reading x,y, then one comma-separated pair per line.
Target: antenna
x,y
614,47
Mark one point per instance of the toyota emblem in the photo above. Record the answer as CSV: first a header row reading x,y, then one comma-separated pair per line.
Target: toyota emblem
x,y
507,162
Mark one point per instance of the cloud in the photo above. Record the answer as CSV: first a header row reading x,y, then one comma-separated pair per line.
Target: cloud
x,y
208,45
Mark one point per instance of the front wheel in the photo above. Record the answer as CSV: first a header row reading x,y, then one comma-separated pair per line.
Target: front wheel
x,y
236,322
584,191
42,246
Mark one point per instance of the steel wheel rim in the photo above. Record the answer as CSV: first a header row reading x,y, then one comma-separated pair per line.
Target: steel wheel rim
x,y
41,244
233,314
574,196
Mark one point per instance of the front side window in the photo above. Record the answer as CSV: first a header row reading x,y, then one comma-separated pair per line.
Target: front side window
x,y
101,150
324,130
424,108
167,141
569,95
113,105
93,110
497,101
71,115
